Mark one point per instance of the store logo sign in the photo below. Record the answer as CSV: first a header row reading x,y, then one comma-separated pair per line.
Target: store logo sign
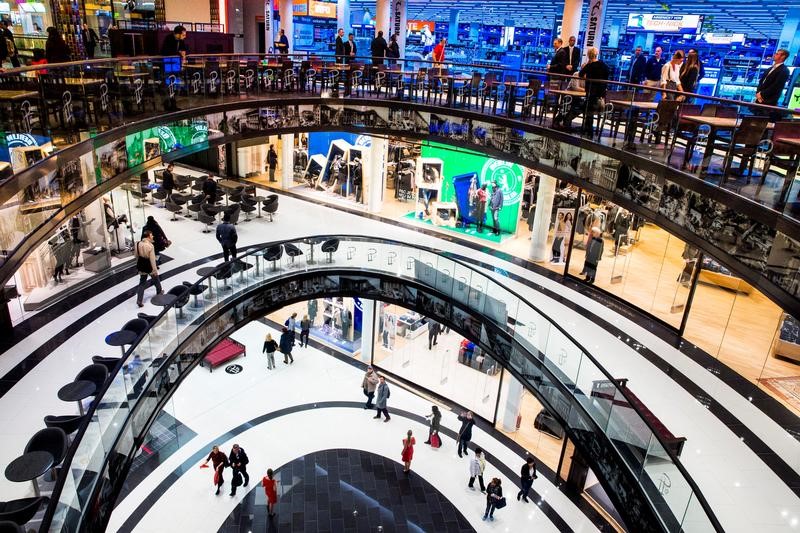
x,y
364,141
167,137
234,369
18,140
508,176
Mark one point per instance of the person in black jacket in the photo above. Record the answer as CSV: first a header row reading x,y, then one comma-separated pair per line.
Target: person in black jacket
x,y
175,43
393,49
340,56
90,38
378,48
272,162
350,48
285,344
493,494
433,333
56,49
160,240
638,62
465,433
771,84
596,73
558,65
168,179
220,462
526,476
573,56
227,237
238,461
9,36
210,190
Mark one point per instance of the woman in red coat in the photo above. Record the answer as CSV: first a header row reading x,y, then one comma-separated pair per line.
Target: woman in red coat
x,y
408,451
220,461
271,489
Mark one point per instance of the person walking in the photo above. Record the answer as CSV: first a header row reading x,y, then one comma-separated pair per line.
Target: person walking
x,y
168,180
476,467
594,252
383,394
638,63
227,237
269,348
368,385
435,420
496,206
270,485
238,460
408,451
526,476
481,197
494,495
433,333
305,330
272,162
378,49
439,53
10,49
90,38
146,265
160,240
286,344
465,432
291,325
220,462
56,49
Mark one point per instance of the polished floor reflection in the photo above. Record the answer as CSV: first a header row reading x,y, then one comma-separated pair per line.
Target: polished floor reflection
x,y
347,490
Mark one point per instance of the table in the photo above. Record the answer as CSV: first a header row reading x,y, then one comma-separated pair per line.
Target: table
x,y
205,272
28,467
121,338
630,127
311,243
163,300
450,80
77,391
792,172
11,94
715,124
568,92
511,93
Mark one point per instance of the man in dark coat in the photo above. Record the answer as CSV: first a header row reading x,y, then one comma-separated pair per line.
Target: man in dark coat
x,y
285,345
526,476
381,399
238,461
168,180
772,82
210,190
350,48
594,252
433,332
638,63
272,162
378,48
175,43
227,237
340,56
465,432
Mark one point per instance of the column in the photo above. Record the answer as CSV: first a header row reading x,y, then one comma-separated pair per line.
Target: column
x,y
452,29
343,16
377,174
287,160
368,310
790,34
571,21
286,10
383,16
399,23
541,219
513,404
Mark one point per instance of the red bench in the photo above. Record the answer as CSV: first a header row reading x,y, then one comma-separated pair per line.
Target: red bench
x,y
226,350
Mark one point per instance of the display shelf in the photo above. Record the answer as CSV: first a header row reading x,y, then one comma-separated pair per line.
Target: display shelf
x,y
787,342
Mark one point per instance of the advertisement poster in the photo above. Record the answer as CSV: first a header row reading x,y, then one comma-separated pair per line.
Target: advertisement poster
x,y
464,169
170,137
562,234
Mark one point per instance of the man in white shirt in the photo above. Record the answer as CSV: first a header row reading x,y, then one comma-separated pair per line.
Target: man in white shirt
x,y
574,56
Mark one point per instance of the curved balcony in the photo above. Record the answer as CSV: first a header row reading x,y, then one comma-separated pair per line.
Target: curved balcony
x,y
597,413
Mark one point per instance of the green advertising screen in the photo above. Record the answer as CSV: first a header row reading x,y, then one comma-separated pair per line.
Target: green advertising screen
x,y
170,137
461,163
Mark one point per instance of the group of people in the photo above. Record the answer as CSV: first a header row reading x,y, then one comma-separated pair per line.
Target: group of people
x,y
237,461
287,340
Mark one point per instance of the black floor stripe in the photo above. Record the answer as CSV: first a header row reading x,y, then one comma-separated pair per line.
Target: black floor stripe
x,y
149,501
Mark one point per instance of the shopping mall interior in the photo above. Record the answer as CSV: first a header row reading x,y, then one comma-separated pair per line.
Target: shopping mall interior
x,y
376,265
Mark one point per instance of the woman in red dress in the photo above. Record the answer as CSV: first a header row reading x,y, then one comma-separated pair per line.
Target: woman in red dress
x,y
271,489
408,451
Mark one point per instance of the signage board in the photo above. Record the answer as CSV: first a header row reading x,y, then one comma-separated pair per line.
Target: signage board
x,y
723,38
660,23
322,10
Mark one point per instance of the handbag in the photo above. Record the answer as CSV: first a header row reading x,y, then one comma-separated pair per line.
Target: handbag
x,y
436,441
216,477
500,503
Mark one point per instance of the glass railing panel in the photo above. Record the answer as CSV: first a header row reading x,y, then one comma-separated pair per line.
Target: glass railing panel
x,y
665,484
626,429
696,520
599,405
562,357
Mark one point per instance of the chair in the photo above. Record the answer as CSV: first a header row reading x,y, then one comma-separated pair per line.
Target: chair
x,y
109,362
207,219
21,511
666,112
160,194
248,206
292,251
274,254
173,208
97,374
195,291
181,293
69,424
271,206
136,325
744,143
51,440
150,319
232,212
329,247
195,204
783,156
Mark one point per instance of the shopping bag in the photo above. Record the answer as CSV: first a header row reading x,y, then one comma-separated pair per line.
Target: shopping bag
x,y
436,441
203,465
500,503
216,477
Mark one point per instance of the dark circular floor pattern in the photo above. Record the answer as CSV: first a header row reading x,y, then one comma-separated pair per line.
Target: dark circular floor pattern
x,y
322,490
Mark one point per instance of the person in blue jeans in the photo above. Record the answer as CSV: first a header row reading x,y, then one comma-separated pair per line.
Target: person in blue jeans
x,y
496,206
493,494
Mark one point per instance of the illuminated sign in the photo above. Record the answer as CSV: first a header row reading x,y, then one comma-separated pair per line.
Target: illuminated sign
x,y
415,26
321,9
300,8
723,38
685,24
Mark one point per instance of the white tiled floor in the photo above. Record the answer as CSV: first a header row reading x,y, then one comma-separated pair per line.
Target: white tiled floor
x,y
710,451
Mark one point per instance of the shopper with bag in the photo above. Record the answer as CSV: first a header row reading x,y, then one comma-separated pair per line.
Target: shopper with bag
x,y
160,240
476,467
286,343
408,451
383,394
465,432
526,476
238,460
270,485
269,348
220,461
494,499
435,418
369,384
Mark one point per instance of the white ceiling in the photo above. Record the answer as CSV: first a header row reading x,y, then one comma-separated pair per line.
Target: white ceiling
x,y
756,18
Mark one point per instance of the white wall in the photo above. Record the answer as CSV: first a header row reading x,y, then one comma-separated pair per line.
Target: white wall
x,y
188,10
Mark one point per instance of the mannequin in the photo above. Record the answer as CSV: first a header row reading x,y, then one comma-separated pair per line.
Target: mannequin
x,y
312,311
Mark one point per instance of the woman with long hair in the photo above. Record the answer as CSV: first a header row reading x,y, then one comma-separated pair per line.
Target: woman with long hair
x,y
435,417
408,451
690,72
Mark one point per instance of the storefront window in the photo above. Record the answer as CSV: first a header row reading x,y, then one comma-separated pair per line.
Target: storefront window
x,y
336,322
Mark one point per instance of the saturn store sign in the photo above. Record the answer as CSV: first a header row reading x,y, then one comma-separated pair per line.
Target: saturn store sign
x,y
323,10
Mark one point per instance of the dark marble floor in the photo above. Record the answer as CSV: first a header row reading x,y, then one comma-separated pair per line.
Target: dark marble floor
x,y
346,490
